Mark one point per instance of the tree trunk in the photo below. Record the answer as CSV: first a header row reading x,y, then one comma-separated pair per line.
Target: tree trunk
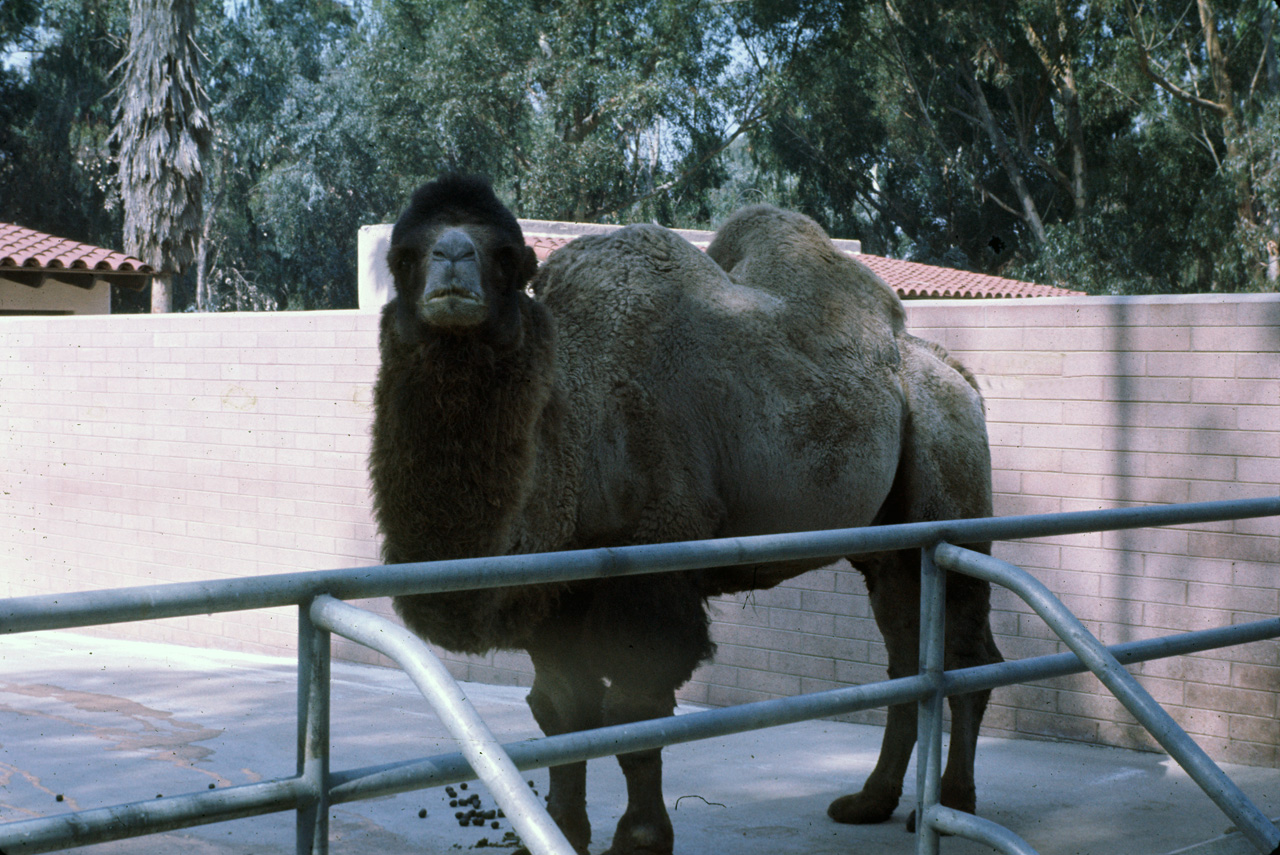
x,y
1059,66
1075,134
163,131
161,294
1029,211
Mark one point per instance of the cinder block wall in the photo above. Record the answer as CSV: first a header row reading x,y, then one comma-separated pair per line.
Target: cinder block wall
x,y
138,450
141,449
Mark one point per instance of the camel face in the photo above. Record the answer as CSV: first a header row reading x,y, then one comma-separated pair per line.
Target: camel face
x,y
456,278
458,271
453,295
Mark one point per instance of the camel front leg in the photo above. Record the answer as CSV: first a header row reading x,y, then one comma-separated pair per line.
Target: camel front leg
x,y
645,827
564,699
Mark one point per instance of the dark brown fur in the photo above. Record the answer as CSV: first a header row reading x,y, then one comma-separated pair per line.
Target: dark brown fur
x,y
648,395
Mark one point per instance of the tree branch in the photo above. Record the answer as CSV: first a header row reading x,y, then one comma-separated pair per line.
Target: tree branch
x,y
684,176
1029,212
1161,80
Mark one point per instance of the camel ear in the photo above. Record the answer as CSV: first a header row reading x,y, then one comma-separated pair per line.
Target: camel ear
x,y
528,263
401,260
520,263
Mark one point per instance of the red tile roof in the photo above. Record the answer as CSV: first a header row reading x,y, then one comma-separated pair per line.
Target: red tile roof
x,y
913,280
33,250
910,279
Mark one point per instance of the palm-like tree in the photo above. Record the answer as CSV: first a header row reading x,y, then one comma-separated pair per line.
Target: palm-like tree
x,y
163,130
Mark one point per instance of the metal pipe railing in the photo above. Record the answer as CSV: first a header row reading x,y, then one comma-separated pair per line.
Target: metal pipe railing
x,y
1252,822
315,787
349,785
90,608
313,733
183,811
483,752
933,599
406,775
119,822
944,820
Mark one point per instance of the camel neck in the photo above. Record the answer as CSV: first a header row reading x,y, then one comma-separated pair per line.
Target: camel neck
x,y
454,445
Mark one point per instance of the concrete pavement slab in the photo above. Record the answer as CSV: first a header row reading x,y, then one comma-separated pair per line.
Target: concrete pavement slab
x,y
90,722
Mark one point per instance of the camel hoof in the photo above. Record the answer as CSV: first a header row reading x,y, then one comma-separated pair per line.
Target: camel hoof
x,y
640,847
862,808
642,838
574,824
632,847
522,850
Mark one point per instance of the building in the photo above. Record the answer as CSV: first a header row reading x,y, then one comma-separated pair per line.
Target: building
x,y
41,274
912,280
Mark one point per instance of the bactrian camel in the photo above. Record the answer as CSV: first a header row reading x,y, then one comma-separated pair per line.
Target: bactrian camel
x,y
649,392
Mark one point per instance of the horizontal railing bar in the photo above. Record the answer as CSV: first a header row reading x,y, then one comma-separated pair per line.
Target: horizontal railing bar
x,y
91,608
134,819
1047,667
391,778
387,779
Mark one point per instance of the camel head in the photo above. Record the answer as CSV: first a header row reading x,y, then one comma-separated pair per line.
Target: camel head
x,y
460,264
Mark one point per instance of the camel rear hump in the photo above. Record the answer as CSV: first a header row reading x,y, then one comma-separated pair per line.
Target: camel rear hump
x,y
787,253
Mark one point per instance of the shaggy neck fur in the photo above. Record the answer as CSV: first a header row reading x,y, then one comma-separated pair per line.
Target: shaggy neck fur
x,y
452,463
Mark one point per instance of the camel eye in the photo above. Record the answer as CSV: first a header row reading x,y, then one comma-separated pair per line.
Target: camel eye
x,y
401,261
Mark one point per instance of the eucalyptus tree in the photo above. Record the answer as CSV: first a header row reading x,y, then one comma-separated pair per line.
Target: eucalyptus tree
x,y
607,110
294,169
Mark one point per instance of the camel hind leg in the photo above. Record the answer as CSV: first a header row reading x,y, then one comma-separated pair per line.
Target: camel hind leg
x,y
944,473
893,583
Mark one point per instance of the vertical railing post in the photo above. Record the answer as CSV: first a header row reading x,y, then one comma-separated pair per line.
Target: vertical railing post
x,y
313,734
933,597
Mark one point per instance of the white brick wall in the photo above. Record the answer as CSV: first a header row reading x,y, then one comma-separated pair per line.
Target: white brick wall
x,y
140,449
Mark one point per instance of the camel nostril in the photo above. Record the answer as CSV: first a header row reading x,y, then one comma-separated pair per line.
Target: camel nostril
x,y
454,246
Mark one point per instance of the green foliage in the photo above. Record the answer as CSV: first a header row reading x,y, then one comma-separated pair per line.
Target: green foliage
x,y
295,169
56,169
1112,147
584,111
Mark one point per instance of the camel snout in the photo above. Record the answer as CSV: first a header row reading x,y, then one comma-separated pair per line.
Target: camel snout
x,y
454,293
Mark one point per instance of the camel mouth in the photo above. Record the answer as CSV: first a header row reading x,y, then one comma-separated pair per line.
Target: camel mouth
x,y
453,307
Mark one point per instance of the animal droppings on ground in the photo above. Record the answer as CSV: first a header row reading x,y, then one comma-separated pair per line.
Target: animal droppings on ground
x,y
475,815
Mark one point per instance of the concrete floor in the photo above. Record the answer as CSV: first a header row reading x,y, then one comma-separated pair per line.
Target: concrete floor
x,y
101,722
